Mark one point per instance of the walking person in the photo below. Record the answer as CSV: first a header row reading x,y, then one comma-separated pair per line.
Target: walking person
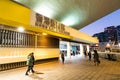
x,y
63,57
30,63
89,54
96,58
85,53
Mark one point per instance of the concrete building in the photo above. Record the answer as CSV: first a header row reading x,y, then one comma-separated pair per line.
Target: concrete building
x,y
118,33
23,31
24,28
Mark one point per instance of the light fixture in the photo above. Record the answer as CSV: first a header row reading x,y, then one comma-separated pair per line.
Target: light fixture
x,y
44,33
119,45
108,45
20,29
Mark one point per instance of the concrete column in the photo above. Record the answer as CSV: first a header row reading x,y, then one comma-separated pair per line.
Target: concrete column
x,y
81,50
68,50
35,45
88,48
35,41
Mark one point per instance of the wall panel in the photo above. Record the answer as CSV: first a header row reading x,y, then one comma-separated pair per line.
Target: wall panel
x,y
10,55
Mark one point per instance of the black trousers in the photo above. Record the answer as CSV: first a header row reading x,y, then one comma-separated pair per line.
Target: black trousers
x,y
63,59
30,68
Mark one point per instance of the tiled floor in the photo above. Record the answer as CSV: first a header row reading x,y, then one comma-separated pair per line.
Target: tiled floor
x,y
76,68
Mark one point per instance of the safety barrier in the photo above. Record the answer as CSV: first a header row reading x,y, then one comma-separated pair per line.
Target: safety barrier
x,y
114,56
8,66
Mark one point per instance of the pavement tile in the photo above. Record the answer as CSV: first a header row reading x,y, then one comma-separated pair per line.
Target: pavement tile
x,y
76,68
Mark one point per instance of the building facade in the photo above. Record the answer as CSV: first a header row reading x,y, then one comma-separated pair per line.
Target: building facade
x,y
110,36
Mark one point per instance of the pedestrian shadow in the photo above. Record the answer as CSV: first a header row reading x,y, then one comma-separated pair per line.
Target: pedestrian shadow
x,y
35,77
36,72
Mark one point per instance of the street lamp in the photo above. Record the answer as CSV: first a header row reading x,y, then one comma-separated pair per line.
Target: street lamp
x,y
108,45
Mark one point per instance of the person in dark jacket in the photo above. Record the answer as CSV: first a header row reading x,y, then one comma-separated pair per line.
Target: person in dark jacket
x,y
63,57
96,58
85,53
89,54
30,63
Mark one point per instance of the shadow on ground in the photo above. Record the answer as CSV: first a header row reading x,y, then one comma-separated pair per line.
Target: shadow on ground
x,y
35,76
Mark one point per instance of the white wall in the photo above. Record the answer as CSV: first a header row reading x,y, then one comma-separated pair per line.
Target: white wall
x,y
80,36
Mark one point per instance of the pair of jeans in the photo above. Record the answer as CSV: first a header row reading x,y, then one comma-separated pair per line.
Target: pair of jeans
x,y
30,68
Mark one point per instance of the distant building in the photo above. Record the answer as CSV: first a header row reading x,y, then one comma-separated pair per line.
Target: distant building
x,y
111,31
109,34
118,33
103,36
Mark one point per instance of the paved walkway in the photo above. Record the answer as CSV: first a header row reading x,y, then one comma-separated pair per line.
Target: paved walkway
x,y
76,68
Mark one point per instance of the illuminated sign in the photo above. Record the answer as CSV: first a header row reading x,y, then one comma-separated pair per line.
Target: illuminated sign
x,y
47,23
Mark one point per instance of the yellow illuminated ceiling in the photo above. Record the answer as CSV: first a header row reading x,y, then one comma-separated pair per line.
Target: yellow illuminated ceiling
x,y
16,15
75,13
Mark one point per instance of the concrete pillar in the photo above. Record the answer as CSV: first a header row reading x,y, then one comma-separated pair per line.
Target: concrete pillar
x,y
35,41
81,50
88,48
68,50
35,51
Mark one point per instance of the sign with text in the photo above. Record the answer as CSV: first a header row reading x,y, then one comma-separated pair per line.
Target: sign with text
x,y
41,21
